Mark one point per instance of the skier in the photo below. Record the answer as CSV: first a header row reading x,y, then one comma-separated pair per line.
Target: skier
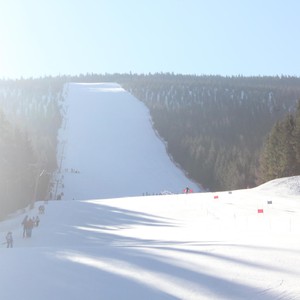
x,y
37,221
187,190
24,222
29,227
9,240
41,209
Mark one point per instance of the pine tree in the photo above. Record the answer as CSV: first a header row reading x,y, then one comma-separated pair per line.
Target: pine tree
x,y
280,155
288,155
297,138
269,165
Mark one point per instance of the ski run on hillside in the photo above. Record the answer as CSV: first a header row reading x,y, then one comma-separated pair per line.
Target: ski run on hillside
x,y
124,229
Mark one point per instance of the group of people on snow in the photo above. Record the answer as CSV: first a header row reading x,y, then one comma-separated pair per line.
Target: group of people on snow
x,y
29,224
72,170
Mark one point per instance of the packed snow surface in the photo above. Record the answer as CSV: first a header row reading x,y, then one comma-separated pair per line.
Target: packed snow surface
x,y
108,138
196,246
230,245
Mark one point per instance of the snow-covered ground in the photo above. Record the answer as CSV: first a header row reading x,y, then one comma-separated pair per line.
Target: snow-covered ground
x,y
108,139
192,246
241,244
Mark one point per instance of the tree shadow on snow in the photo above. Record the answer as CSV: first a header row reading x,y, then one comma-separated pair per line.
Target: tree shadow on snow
x,y
98,224
112,255
151,273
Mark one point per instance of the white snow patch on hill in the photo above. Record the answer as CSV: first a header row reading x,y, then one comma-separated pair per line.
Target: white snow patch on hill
x,y
288,185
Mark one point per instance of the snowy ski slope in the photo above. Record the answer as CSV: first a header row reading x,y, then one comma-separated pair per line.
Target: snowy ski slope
x,y
108,138
192,246
230,245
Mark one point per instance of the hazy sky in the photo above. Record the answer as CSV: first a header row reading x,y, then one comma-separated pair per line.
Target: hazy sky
x,y
226,37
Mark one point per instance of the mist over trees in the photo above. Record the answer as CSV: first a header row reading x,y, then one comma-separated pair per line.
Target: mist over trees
x,y
215,126
225,132
29,121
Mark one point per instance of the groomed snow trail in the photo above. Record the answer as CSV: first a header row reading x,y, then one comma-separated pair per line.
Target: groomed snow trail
x,y
107,137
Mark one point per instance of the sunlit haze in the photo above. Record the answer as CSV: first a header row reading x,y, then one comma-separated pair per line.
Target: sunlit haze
x,y
39,38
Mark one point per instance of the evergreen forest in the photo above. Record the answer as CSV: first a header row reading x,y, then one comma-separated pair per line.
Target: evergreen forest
x,y
29,122
215,127
280,156
225,132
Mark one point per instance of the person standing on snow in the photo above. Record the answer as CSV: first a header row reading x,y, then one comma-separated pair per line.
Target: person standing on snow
x,y
29,227
9,240
24,223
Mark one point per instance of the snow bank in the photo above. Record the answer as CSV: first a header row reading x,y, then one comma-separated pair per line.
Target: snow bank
x,y
287,185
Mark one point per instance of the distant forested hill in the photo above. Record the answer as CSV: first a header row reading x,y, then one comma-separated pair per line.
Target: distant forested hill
x,y
29,122
219,129
215,126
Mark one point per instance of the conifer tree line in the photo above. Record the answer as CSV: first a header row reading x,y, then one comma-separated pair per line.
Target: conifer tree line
x,y
215,126
29,122
281,153
220,130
